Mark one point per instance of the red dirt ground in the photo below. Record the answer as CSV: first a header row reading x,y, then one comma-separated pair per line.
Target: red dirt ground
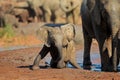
x,y
15,65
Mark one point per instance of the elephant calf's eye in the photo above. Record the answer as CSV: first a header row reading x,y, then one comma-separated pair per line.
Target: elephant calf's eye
x,y
67,7
71,3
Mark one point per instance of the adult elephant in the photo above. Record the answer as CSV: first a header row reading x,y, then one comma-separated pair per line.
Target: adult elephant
x,y
59,41
2,23
101,20
51,10
23,11
72,10
5,18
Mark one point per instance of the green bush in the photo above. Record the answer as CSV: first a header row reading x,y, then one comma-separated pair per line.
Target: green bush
x,y
7,31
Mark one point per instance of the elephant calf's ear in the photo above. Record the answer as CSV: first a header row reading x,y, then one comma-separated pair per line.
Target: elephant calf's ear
x,y
64,42
42,34
68,31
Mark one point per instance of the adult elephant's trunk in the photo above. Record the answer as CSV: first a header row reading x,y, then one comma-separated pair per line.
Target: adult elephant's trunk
x,y
68,5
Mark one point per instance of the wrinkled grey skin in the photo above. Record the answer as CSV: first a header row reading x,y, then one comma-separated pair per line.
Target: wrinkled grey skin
x,y
72,10
49,9
101,20
58,40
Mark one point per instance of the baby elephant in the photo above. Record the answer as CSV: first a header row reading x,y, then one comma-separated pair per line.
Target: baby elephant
x,y
59,41
68,55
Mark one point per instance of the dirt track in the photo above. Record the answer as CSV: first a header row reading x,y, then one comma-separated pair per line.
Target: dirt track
x,y
15,65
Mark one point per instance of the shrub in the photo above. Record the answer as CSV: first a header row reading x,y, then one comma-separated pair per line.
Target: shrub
x,y
7,32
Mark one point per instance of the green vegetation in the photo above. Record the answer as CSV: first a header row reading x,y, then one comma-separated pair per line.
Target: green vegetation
x,y
7,32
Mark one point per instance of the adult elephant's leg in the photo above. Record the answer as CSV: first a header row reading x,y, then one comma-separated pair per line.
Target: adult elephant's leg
x,y
87,44
118,52
114,55
48,15
69,17
115,39
118,48
58,16
105,47
76,15
40,56
36,17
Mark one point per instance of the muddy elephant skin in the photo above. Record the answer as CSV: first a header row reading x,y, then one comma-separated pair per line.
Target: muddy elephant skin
x,y
50,10
101,20
72,10
59,42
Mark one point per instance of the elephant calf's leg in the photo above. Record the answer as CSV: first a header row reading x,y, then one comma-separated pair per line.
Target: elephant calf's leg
x,y
40,56
69,17
61,63
55,56
48,16
62,54
53,64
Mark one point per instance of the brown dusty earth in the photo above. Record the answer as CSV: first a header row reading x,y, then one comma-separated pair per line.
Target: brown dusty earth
x,y
16,64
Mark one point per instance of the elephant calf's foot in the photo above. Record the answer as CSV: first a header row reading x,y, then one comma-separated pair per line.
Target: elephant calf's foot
x,y
61,65
35,67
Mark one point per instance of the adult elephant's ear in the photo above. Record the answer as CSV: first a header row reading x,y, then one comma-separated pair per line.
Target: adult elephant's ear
x,y
91,4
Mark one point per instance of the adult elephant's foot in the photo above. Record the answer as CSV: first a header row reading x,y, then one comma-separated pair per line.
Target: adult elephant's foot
x,y
87,65
35,67
108,69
